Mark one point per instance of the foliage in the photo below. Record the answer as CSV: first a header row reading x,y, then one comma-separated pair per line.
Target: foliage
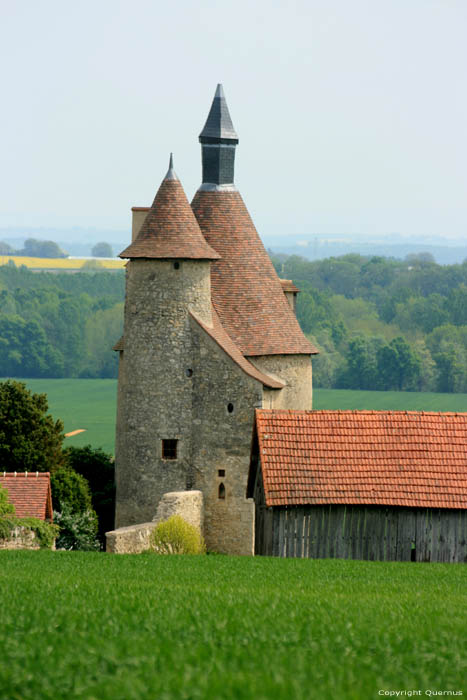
x,y
203,626
5,248
6,507
98,469
41,249
77,529
70,488
45,532
30,439
102,250
59,324
176,536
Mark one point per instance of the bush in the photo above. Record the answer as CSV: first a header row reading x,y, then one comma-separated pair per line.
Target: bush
x,y
5,506
98,469
70,488
176,536
78,531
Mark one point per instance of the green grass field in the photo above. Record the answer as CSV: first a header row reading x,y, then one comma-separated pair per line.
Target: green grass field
x,y
90,404
137,627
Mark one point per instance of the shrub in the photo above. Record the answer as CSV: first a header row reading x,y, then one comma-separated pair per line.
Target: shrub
x,y
70,488
78,531
98,469
176,536
5,505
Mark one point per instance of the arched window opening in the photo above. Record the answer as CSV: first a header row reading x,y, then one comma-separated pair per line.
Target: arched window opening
x,y
230,407
222,492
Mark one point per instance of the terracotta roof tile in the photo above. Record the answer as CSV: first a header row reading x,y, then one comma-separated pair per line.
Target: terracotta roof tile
x,y
222,339
288,286
394,458
170,229
30,493
246,291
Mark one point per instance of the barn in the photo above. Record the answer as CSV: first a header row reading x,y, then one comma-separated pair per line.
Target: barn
x,y
375,485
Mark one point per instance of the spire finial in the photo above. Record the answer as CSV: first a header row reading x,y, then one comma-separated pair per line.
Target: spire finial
x,y
218,141
171,174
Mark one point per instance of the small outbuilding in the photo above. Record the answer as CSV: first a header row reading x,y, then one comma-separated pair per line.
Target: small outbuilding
x,y
30,493
377,485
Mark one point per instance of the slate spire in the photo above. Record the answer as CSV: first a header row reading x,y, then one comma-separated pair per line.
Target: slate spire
x,y
218,141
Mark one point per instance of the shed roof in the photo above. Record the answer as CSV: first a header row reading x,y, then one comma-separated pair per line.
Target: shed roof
x,y
245,289
30,493
392,458
170,229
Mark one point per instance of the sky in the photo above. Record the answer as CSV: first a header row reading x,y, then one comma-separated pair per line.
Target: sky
x,y
351,114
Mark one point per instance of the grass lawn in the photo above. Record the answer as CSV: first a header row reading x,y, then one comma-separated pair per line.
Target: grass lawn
x,y
91,404
346,399
137,627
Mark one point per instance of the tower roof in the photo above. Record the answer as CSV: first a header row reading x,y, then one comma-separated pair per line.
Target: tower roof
x,y
218,125
245,289
170,229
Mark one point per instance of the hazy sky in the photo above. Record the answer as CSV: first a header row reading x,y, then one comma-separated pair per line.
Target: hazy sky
x,y
351,114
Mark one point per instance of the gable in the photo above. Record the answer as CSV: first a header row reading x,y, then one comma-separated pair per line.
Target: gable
x,y
30,493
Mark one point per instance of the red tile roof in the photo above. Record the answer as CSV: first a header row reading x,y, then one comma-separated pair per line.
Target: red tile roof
x,y
30,493
245,289
391,458
170,229
288,286
222,339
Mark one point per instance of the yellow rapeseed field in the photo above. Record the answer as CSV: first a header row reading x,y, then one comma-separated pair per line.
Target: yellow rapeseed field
x,y
60,263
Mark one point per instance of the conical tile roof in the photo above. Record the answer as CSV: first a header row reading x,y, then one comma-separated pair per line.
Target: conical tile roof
x,y
245,289
170,229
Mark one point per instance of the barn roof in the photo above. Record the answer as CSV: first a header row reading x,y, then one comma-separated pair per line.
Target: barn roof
x,y
392,458
170,229
246,291
30,493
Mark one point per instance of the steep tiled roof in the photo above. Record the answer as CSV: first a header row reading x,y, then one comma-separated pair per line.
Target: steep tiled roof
x,y
288,286
222,339
364,457
170,229
245,289
29,492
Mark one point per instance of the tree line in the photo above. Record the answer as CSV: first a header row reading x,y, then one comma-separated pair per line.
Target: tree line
x,y
379,323
59,325
382,323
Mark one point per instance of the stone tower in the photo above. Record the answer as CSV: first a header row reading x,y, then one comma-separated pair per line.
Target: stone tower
x,y
209,336
167,277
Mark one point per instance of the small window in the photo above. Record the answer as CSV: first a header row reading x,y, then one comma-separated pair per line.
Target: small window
x,y
169,449
222,492
189,372
230,407
221,472
176,265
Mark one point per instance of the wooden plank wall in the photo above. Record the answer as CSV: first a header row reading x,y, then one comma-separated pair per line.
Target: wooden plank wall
x,y
358,532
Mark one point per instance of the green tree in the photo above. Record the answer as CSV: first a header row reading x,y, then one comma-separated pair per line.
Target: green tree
x,y
6,508
41,249
30,439
398,366
102,250
98,469
451,369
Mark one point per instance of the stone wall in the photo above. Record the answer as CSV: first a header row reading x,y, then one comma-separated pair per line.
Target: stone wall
x,y
224,401
296,371
134,539
156,382
21,538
